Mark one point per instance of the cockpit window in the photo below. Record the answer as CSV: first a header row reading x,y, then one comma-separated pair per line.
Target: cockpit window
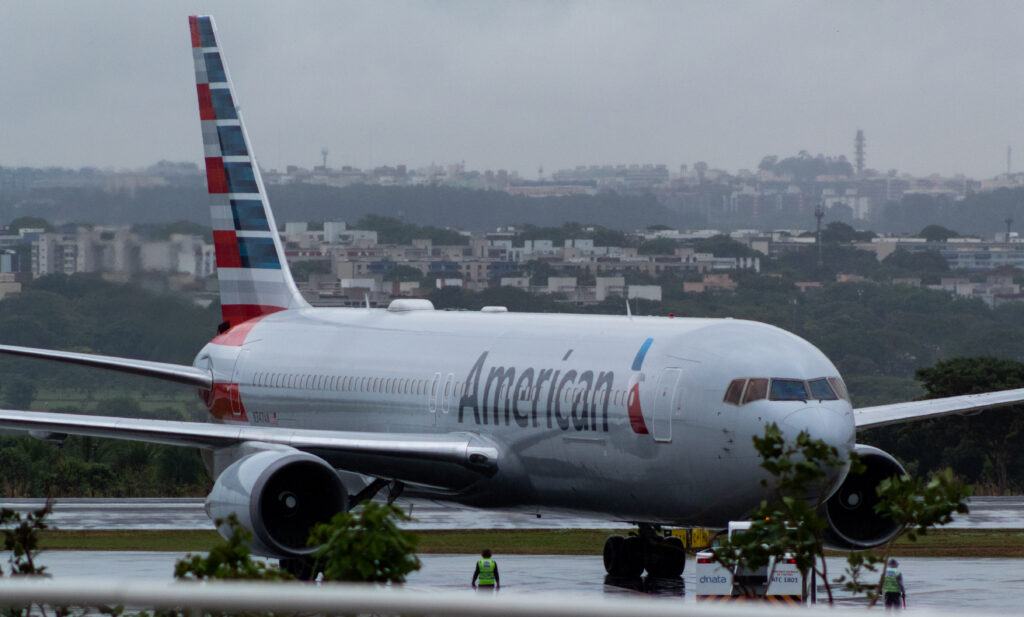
x,y
839,387
734,391
821,390
788,390
757,389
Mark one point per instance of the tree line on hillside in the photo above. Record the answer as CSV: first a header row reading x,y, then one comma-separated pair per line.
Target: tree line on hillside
x,y
439,206
981,214
804,167
697,207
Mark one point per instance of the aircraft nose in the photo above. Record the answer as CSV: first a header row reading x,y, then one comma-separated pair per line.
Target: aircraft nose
x,y
821,423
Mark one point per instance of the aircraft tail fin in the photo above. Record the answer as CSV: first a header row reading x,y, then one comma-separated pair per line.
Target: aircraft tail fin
x,y
251,267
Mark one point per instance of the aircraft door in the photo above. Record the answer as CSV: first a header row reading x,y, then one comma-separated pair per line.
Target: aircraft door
x,y
666,405
433,393
447,393
238,376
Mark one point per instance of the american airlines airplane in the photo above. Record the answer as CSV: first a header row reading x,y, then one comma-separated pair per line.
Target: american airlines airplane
x,y
645,420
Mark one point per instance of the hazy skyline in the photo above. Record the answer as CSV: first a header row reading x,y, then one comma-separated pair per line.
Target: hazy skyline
x,y
937,87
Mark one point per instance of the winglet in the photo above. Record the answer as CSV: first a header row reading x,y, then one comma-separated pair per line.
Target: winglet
x,y
251,267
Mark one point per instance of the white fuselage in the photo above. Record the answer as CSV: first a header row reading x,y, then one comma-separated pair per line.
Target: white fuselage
x,y
616,417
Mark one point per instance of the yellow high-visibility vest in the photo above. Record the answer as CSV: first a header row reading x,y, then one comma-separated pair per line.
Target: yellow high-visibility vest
x,y
485,569
891,583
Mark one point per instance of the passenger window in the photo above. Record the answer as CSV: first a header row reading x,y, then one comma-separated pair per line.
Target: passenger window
x,y
734,391
757,389
789,390
821,390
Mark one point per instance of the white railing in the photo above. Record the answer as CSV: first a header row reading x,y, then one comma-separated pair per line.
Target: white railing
x,y
334,599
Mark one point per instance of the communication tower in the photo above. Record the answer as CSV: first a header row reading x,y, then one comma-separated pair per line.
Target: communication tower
x,y
323,154
858,152
819,213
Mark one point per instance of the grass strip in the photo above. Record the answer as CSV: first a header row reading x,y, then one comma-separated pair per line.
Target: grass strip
x,y
199,540
941,543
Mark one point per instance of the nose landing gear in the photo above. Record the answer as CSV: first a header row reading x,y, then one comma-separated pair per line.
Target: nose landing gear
x,y
661,556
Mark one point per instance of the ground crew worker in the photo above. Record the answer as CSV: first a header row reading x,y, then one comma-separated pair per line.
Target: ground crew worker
x,y
892,586
485,577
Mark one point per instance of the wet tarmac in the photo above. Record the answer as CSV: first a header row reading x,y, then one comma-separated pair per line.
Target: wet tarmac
x,y
949,584
986,513
988,585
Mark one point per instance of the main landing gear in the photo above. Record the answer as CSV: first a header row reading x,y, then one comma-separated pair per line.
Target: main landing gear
x,y
661,556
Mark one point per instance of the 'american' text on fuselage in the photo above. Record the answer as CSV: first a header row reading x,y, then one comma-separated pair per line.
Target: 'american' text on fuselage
x,y
508,396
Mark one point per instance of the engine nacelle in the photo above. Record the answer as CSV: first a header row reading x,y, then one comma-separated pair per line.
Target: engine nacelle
x,y
853,522
278,495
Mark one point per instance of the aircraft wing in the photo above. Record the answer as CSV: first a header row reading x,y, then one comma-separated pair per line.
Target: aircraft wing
x,y
364,452
180,373
871,417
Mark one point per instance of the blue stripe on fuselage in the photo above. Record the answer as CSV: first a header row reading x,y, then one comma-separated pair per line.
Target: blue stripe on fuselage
x,y
638,361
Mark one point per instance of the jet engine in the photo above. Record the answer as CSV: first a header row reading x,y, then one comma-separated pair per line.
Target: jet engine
x,y
853,522
279,495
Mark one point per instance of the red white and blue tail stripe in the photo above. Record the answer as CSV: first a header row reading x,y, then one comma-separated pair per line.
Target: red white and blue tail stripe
x,y
251,267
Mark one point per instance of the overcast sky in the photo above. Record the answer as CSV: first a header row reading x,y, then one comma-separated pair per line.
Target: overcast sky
x,y
937,87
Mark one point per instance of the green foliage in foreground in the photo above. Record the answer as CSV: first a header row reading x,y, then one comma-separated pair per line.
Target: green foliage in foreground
x,y
21,538
365,544
230,559
790,522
